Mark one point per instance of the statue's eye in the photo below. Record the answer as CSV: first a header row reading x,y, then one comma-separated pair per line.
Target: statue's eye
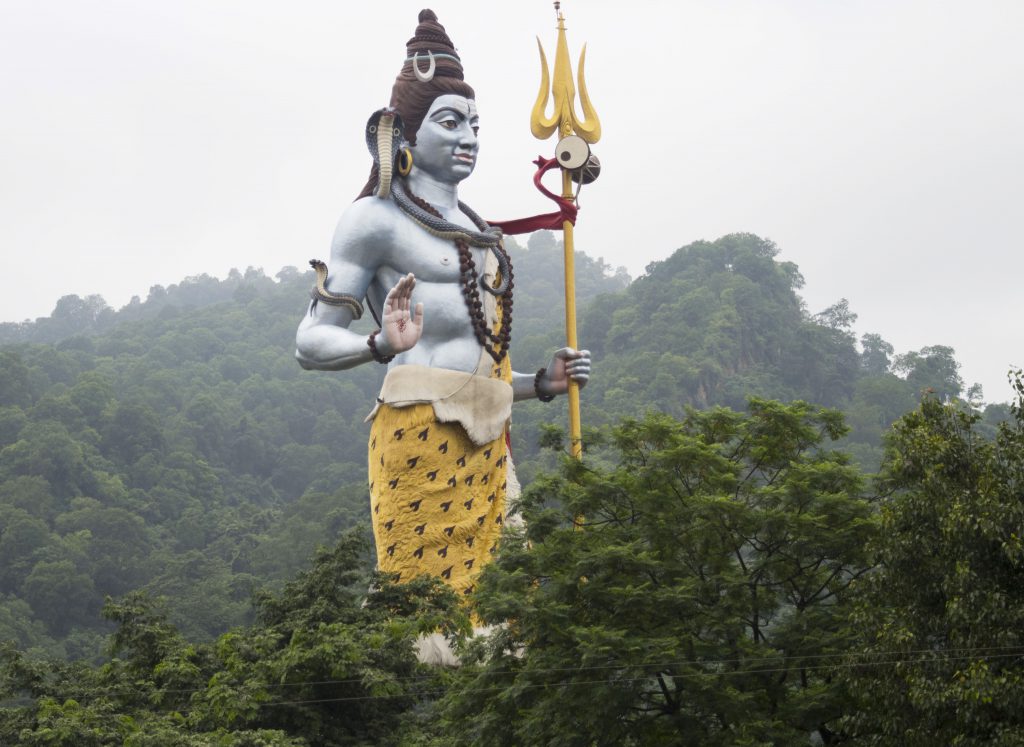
x,y
449,124
476,129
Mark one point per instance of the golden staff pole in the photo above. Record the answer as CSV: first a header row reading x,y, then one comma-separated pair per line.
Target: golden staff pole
x,y
566,122
575,425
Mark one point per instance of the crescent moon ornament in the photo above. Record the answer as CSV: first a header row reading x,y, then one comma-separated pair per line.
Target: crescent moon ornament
x,y
421,76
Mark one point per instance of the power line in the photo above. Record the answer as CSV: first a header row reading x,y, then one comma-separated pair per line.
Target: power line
x,y
937,655
690,675
658,665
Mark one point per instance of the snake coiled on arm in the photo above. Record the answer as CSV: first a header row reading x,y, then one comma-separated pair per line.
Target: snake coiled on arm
x,y
320,293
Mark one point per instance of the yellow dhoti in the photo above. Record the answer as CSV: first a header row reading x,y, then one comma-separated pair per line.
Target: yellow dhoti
x,y
439,466
439,471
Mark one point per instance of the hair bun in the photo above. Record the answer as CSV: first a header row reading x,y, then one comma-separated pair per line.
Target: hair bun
x,y
430,39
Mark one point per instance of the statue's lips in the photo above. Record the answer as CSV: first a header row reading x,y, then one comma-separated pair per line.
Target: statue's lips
x,y
464,158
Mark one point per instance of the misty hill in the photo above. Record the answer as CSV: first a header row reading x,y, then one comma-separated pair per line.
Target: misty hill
x,y
718,322
74,316
175,445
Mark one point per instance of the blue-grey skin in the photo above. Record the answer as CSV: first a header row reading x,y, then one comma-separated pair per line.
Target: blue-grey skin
x,y
414,276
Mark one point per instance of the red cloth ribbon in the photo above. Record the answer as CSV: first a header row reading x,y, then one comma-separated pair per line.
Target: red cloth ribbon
x,y
551,221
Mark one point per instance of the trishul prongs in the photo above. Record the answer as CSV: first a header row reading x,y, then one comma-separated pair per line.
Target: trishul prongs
x,y
563,116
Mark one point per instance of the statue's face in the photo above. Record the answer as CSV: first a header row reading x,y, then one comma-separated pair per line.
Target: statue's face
x,y
446,143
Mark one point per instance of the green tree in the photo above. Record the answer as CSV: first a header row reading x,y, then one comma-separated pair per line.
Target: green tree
x,y
49,451
133,431
74,315
19,625
876,354
60,594
22,536
933,370
941,624
15,388
92,394
682,594
838,316
326,664
117,548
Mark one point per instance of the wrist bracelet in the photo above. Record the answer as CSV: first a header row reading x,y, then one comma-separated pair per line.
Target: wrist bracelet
x,y
536,386
372,344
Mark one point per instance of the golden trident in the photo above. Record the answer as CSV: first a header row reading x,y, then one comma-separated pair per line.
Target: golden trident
x,y
564,119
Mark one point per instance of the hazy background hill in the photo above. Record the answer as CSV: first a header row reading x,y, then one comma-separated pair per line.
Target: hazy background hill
x,y
174,445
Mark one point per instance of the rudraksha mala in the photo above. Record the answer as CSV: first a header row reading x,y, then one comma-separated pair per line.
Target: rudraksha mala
x,y
536,385
495,344
371,343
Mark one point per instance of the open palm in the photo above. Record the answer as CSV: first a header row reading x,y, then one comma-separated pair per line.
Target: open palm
x,y
400,325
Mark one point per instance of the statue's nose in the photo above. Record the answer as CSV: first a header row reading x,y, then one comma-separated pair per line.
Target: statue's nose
x,y
468,137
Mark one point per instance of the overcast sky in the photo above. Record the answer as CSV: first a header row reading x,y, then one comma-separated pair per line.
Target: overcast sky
x,y
877,142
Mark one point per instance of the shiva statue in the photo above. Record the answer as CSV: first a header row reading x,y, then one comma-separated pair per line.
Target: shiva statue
x,y
439,283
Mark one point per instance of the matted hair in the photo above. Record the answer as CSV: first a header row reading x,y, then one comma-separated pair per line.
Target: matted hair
x,y
412,97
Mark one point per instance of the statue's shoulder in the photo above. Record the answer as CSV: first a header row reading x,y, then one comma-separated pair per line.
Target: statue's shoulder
x,y
370,214
367,225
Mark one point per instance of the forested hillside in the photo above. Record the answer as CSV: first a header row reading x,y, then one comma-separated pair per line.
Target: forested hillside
x,y
172,459
176,446
718,322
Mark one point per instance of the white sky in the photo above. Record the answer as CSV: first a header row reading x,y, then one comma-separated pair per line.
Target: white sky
x,y
878,142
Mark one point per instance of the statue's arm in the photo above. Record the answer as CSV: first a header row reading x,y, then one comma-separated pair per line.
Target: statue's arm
x,y
565,364
323,340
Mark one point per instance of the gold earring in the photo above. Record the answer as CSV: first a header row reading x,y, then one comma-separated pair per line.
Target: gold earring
x,y
404,162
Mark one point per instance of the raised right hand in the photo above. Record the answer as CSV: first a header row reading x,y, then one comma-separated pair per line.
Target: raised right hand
x,y
400,327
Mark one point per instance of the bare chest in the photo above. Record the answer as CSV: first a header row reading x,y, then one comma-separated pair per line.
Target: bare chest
x,y
435,263
429,258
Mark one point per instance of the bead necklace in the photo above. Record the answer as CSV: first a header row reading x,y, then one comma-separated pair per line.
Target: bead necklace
x,y
495,344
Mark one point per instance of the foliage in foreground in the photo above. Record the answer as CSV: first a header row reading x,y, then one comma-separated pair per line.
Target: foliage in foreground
x,y
941,624
686,594
325,664
703,581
